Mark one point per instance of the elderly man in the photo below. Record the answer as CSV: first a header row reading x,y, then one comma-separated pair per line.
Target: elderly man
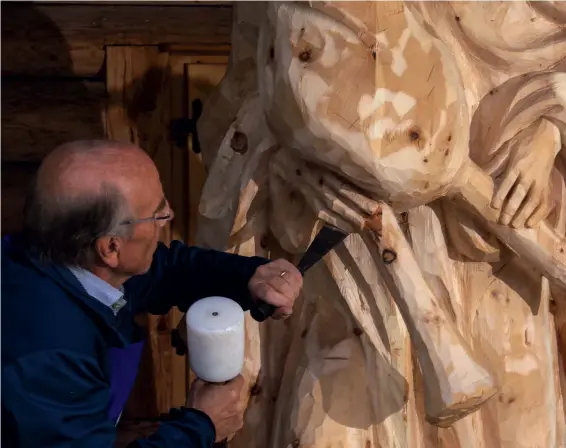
x,y
89,259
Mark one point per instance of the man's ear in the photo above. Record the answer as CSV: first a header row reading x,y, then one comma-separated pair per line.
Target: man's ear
x,y
108,250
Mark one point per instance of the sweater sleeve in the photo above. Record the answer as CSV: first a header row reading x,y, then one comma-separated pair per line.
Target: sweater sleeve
x,y
181,275
59,398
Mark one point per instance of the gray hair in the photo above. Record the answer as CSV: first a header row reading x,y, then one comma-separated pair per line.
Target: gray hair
x,y
65,229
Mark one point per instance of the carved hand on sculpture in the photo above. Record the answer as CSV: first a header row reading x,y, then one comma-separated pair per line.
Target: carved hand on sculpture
x,y
278,283
523,196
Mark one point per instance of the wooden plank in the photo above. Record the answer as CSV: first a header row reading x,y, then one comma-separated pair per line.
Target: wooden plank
x,y
16,181
38,115
178,197
202,78
136,2
200,74
182,196
195,51
69,39
138,83
194,76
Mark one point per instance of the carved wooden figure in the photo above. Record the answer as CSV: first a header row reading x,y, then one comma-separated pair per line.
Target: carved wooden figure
x,y
433,132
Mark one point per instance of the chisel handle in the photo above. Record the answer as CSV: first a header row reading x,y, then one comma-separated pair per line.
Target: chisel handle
x,y
327,238
262,310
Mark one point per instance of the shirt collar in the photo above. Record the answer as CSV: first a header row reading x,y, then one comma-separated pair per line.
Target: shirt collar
x,y
99,289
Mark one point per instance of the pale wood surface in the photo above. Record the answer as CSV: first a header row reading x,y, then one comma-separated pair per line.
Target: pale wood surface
x,y
348,108
69,39
40,114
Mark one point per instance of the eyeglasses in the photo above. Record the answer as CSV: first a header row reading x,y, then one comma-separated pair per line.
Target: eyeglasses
x,y
160,219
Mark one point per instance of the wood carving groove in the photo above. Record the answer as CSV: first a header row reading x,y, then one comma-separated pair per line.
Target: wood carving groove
x,y
433,133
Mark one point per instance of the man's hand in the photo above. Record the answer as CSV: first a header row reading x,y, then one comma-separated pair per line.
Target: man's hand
x,y
221,402
278,283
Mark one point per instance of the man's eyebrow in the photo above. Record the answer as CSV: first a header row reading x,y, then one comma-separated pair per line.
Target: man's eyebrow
x,y
161,205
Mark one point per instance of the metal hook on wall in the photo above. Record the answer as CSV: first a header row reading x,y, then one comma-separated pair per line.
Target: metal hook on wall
x,y
183,128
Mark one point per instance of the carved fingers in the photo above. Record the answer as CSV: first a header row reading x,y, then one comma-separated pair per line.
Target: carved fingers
x,y
521,199
523,195
332,199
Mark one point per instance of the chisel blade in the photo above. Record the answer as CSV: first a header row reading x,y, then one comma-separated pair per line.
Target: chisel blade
x,y
327,239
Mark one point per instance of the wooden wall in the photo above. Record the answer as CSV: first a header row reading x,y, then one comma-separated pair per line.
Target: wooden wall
x,y
87,70
53,72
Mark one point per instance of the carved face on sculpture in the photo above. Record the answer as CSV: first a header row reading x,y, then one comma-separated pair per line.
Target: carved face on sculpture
x,y
388,113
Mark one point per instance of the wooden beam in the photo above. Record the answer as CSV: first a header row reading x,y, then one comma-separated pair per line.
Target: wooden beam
x,y
69,39
38,115
136,2
202,79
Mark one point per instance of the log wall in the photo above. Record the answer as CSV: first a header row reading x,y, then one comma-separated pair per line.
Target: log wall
x,y
53,72
58,85
69,39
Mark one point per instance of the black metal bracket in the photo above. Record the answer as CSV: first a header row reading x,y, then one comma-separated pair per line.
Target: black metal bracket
x,y
183,128
177,343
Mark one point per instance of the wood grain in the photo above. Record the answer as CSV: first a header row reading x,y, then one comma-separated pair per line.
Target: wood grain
x,y
69,39
38,115
202,78
485,110
198,73
128,431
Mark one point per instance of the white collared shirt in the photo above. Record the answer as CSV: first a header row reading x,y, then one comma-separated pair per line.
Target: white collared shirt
x,y
97,288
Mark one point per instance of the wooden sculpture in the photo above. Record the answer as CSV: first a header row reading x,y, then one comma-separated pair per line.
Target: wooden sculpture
x,y
433,132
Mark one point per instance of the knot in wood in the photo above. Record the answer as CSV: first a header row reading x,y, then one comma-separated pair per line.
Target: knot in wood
x,y
305,55
255,390
163,325
358,331
414,134
388,256
239,142
264,241
373,51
